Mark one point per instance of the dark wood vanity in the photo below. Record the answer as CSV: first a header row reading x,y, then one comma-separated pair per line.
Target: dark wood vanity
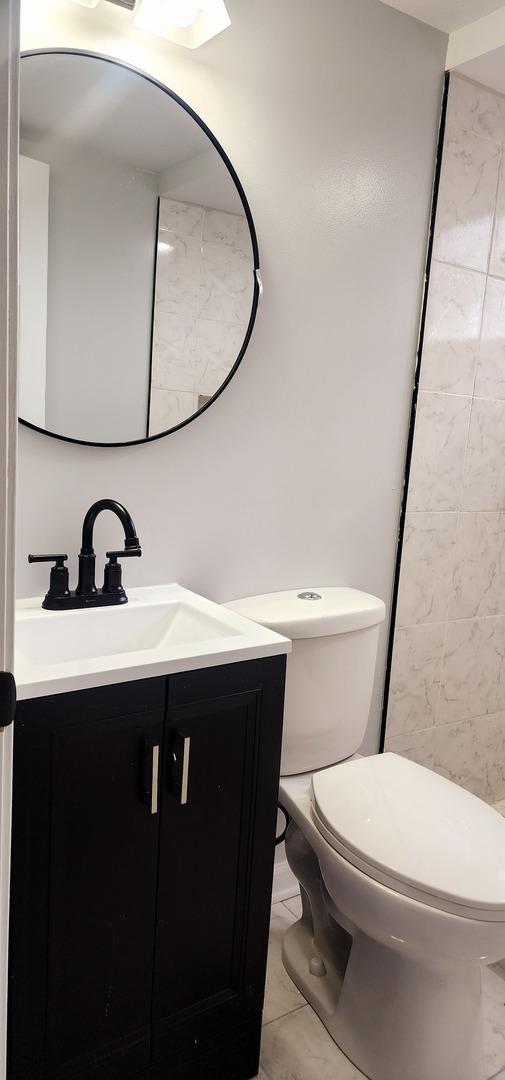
x,y
143,842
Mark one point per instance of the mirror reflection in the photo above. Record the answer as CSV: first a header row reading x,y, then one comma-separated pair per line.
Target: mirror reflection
x,y
137,285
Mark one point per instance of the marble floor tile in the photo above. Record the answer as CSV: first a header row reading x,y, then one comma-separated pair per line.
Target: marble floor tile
x,y
281,994
493,990
298,1047
294,904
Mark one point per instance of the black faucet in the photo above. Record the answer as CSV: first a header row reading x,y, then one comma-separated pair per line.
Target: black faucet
x,y
59,597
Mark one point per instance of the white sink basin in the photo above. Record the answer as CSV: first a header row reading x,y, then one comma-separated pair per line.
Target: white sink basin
x,y
160,631
86,635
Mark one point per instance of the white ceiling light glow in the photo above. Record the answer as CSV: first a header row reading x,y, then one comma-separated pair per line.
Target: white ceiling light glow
x,y
87,3
186,22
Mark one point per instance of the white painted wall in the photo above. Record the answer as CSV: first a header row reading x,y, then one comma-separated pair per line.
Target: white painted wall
x,y
33,242
294,476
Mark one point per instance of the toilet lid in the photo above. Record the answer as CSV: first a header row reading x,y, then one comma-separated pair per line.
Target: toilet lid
x,y
413,829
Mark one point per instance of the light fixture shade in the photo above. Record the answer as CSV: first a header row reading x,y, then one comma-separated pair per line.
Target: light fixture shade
x,y
87,3
185,22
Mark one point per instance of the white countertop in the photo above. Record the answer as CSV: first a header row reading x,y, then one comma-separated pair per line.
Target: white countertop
x,y
162,630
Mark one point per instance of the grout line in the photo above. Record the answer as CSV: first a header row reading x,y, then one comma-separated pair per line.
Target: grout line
x,y
293,897
447,393
470,269
486,510
440,680
297,1008
495,209
439,622
450,723
470,396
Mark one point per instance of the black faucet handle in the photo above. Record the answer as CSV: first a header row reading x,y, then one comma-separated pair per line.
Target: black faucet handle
x,y
112,582
128,553
58,559
58,582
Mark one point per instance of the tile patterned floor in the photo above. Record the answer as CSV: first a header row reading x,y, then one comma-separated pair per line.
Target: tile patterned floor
x,y
296,1046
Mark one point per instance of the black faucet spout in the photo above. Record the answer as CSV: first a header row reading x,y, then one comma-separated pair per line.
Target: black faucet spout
x,y
131,538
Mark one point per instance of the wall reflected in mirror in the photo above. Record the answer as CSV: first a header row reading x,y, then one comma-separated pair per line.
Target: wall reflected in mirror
x,y
136,259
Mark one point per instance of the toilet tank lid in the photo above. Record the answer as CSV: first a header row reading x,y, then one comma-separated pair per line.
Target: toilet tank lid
x,y
312,612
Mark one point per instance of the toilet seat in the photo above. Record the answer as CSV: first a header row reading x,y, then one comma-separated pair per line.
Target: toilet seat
x,y
415,832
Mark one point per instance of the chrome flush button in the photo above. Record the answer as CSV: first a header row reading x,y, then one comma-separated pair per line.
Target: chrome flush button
x,y
309,596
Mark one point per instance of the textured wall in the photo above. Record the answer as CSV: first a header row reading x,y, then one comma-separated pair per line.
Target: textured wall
x,y
447,704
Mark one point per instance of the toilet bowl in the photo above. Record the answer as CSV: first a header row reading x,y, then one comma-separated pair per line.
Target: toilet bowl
x,y
404,1002
402,872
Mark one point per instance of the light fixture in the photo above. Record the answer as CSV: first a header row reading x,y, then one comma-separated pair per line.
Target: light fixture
x,y
186,22
87,3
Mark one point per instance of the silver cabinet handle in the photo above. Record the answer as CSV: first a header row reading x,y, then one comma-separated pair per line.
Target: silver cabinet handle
x,y
150,773
155,779
179,780
185,770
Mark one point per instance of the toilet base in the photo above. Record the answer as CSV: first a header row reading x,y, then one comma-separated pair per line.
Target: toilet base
x,y
392,1016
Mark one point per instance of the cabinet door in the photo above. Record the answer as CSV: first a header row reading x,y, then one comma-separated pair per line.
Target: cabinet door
x,y
220,789
85,849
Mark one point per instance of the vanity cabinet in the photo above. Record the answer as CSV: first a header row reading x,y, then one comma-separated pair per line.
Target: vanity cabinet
x,y
143,838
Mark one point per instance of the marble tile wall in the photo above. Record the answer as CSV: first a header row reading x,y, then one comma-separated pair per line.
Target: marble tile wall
x,y
203,298
447,697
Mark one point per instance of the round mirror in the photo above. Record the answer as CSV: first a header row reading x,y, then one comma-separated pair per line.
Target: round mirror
x,y
138,256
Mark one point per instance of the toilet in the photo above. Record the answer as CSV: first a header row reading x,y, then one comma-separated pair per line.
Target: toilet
x,y
402,872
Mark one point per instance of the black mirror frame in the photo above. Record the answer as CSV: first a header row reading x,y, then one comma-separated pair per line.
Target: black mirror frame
x,y
254,242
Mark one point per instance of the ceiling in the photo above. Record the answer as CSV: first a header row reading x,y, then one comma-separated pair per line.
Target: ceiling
x,y
448,15
107,110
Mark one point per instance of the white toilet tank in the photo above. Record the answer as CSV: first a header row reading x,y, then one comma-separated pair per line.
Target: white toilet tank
x,y
335,633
